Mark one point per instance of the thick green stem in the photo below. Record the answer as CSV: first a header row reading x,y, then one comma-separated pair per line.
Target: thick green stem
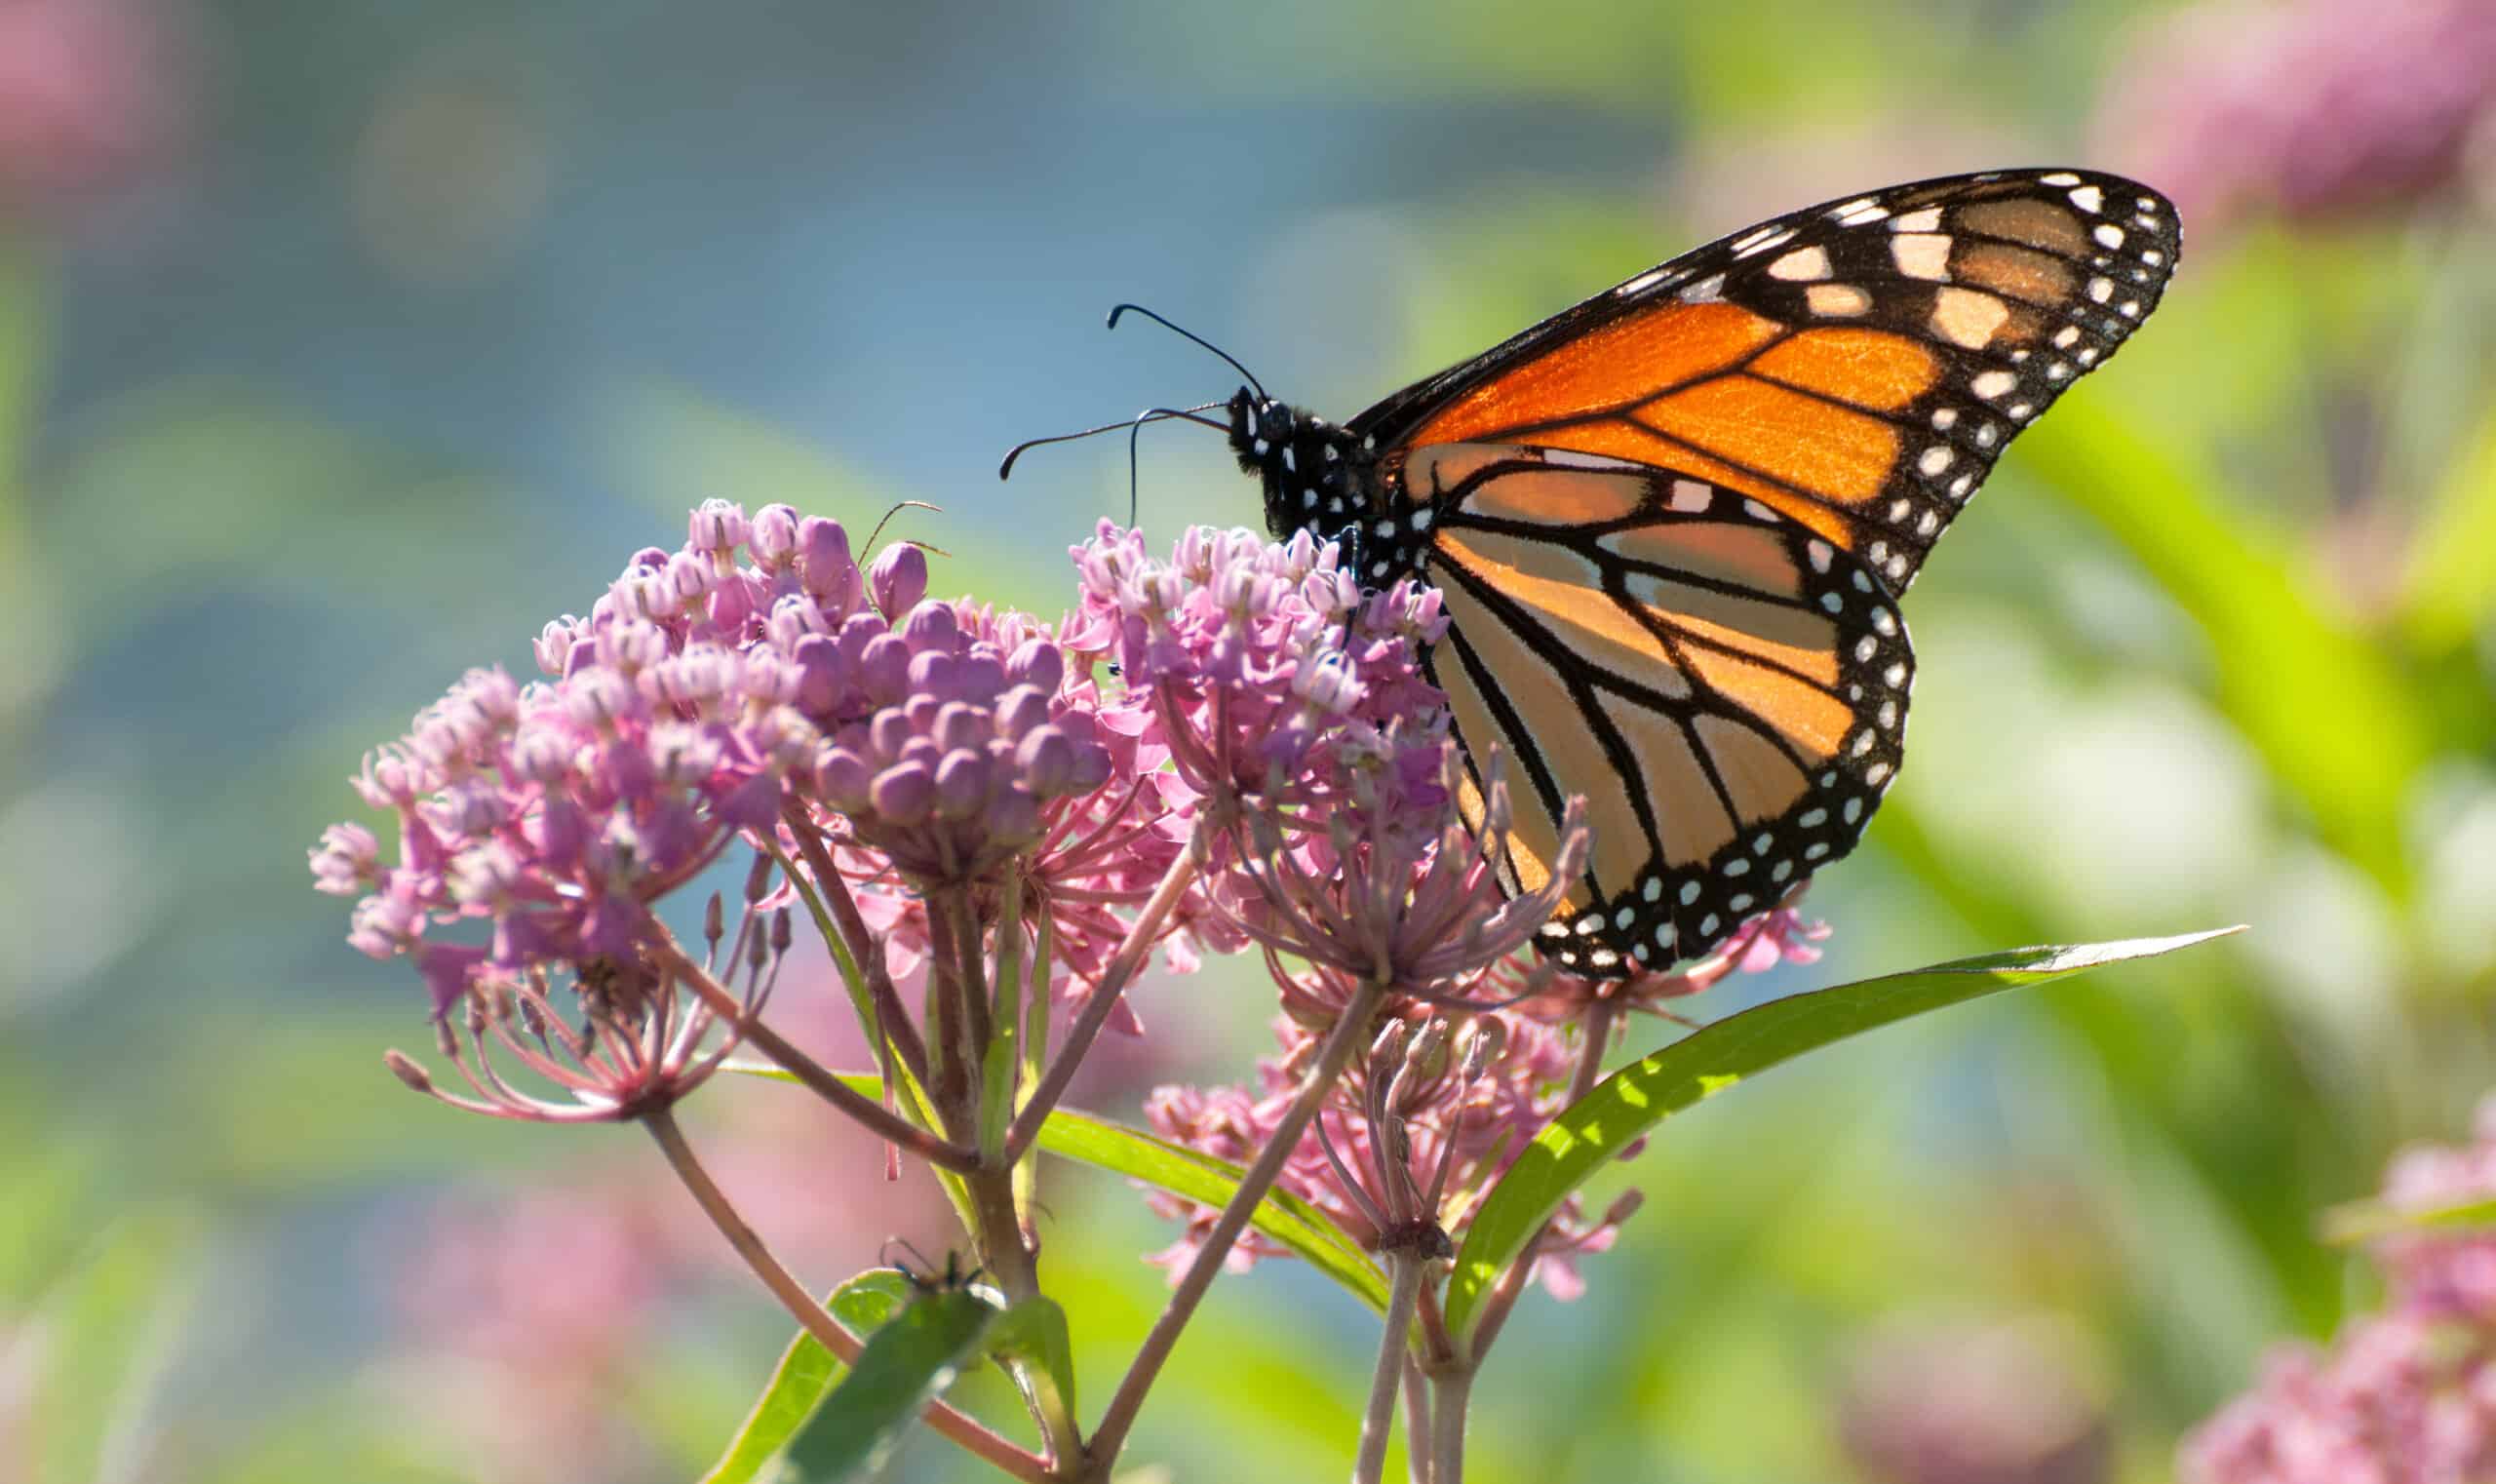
x,y
1451,1393
1404,1288
802,1306
1349,1035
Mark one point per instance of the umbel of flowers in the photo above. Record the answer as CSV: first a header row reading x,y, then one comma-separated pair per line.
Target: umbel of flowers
x,y
992,823
2406,1394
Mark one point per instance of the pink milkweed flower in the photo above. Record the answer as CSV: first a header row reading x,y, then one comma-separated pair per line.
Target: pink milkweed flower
x,y
1395,889
1407,1143
642,1041
1779,935
1259,669
2310,108
2405,1395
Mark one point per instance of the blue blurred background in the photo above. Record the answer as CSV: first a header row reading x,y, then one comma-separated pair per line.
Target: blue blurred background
x,y
342,345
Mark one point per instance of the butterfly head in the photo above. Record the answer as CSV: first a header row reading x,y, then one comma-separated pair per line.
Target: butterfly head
x,y
1306,463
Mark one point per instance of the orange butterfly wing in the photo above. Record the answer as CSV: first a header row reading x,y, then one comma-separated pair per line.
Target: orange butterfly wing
x,y
1859,365
1727,689
1670,525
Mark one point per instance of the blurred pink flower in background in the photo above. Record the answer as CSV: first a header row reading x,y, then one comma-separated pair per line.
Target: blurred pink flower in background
x,y
1962,1402
87,97
529,1313
2311,108
2406,1395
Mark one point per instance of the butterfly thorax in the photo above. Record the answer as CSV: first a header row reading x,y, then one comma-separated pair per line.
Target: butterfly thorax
x,y
1321,478
1311,469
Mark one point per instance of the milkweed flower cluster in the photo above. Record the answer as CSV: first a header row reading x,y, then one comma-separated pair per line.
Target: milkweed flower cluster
x,y
2405,1395
1234,747
2311,107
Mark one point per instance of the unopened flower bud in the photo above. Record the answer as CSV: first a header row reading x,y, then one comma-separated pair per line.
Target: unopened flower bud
x,y
842,780
824,564
405,1069
718,527
1038,662
773,536
883,669
903,793
898,580
961,784
959,725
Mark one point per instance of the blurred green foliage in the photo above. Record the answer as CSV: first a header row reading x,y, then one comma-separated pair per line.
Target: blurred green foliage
x,y
2218,644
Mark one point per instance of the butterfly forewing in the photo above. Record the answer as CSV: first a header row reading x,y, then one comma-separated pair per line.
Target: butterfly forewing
x,y
1859,365
1726,688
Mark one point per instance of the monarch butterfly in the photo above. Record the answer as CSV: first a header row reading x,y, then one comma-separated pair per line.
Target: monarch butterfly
x,y
1671,524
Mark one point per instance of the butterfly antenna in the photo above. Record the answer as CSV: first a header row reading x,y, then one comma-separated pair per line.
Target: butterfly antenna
x,y
897,509
1005,470
1120,309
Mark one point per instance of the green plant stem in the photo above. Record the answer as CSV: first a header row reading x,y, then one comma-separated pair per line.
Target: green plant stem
x,y
1601,1016
1404,1288
1349,1035
1453,1392
1113,983
1416,1423
882,1121
892,1022
817,1321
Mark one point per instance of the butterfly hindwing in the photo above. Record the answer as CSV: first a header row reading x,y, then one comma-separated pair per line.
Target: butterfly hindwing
x,y
1859,365
1726,688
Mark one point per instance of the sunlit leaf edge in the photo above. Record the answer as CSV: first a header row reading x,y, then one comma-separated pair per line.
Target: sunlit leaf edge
x,y
1627,1105
806,1372
1107,1145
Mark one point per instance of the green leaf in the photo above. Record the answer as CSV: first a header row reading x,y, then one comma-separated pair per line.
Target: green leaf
x,y
106,1331
1034,1332
1310,1233
2283,660
1625,1105
806,1372
2364,1221
908,1363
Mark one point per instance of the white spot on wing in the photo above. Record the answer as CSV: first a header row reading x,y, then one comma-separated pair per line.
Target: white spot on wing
x,y
1690,496
1802,266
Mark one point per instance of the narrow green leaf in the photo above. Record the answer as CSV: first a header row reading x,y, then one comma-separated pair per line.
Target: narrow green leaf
x,y
2282,659
109,1326
2364,1221
1034,1332
908,1363
2452,585
1625,1105
806,1372
1310,1233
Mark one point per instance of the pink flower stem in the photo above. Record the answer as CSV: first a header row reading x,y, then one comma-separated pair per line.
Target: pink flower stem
x,y
812,1315
1349,1035
1417,1421
864,951
885,1123
1599,1021
1106,991
1455,1390
1404,1288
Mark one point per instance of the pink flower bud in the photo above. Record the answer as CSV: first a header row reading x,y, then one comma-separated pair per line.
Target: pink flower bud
x,y
773,536
883,669
824,563
898,579
961,785
1020,709
718,527
842,780
1038,662
1046,760
903,793
889,732
961,724
819,671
